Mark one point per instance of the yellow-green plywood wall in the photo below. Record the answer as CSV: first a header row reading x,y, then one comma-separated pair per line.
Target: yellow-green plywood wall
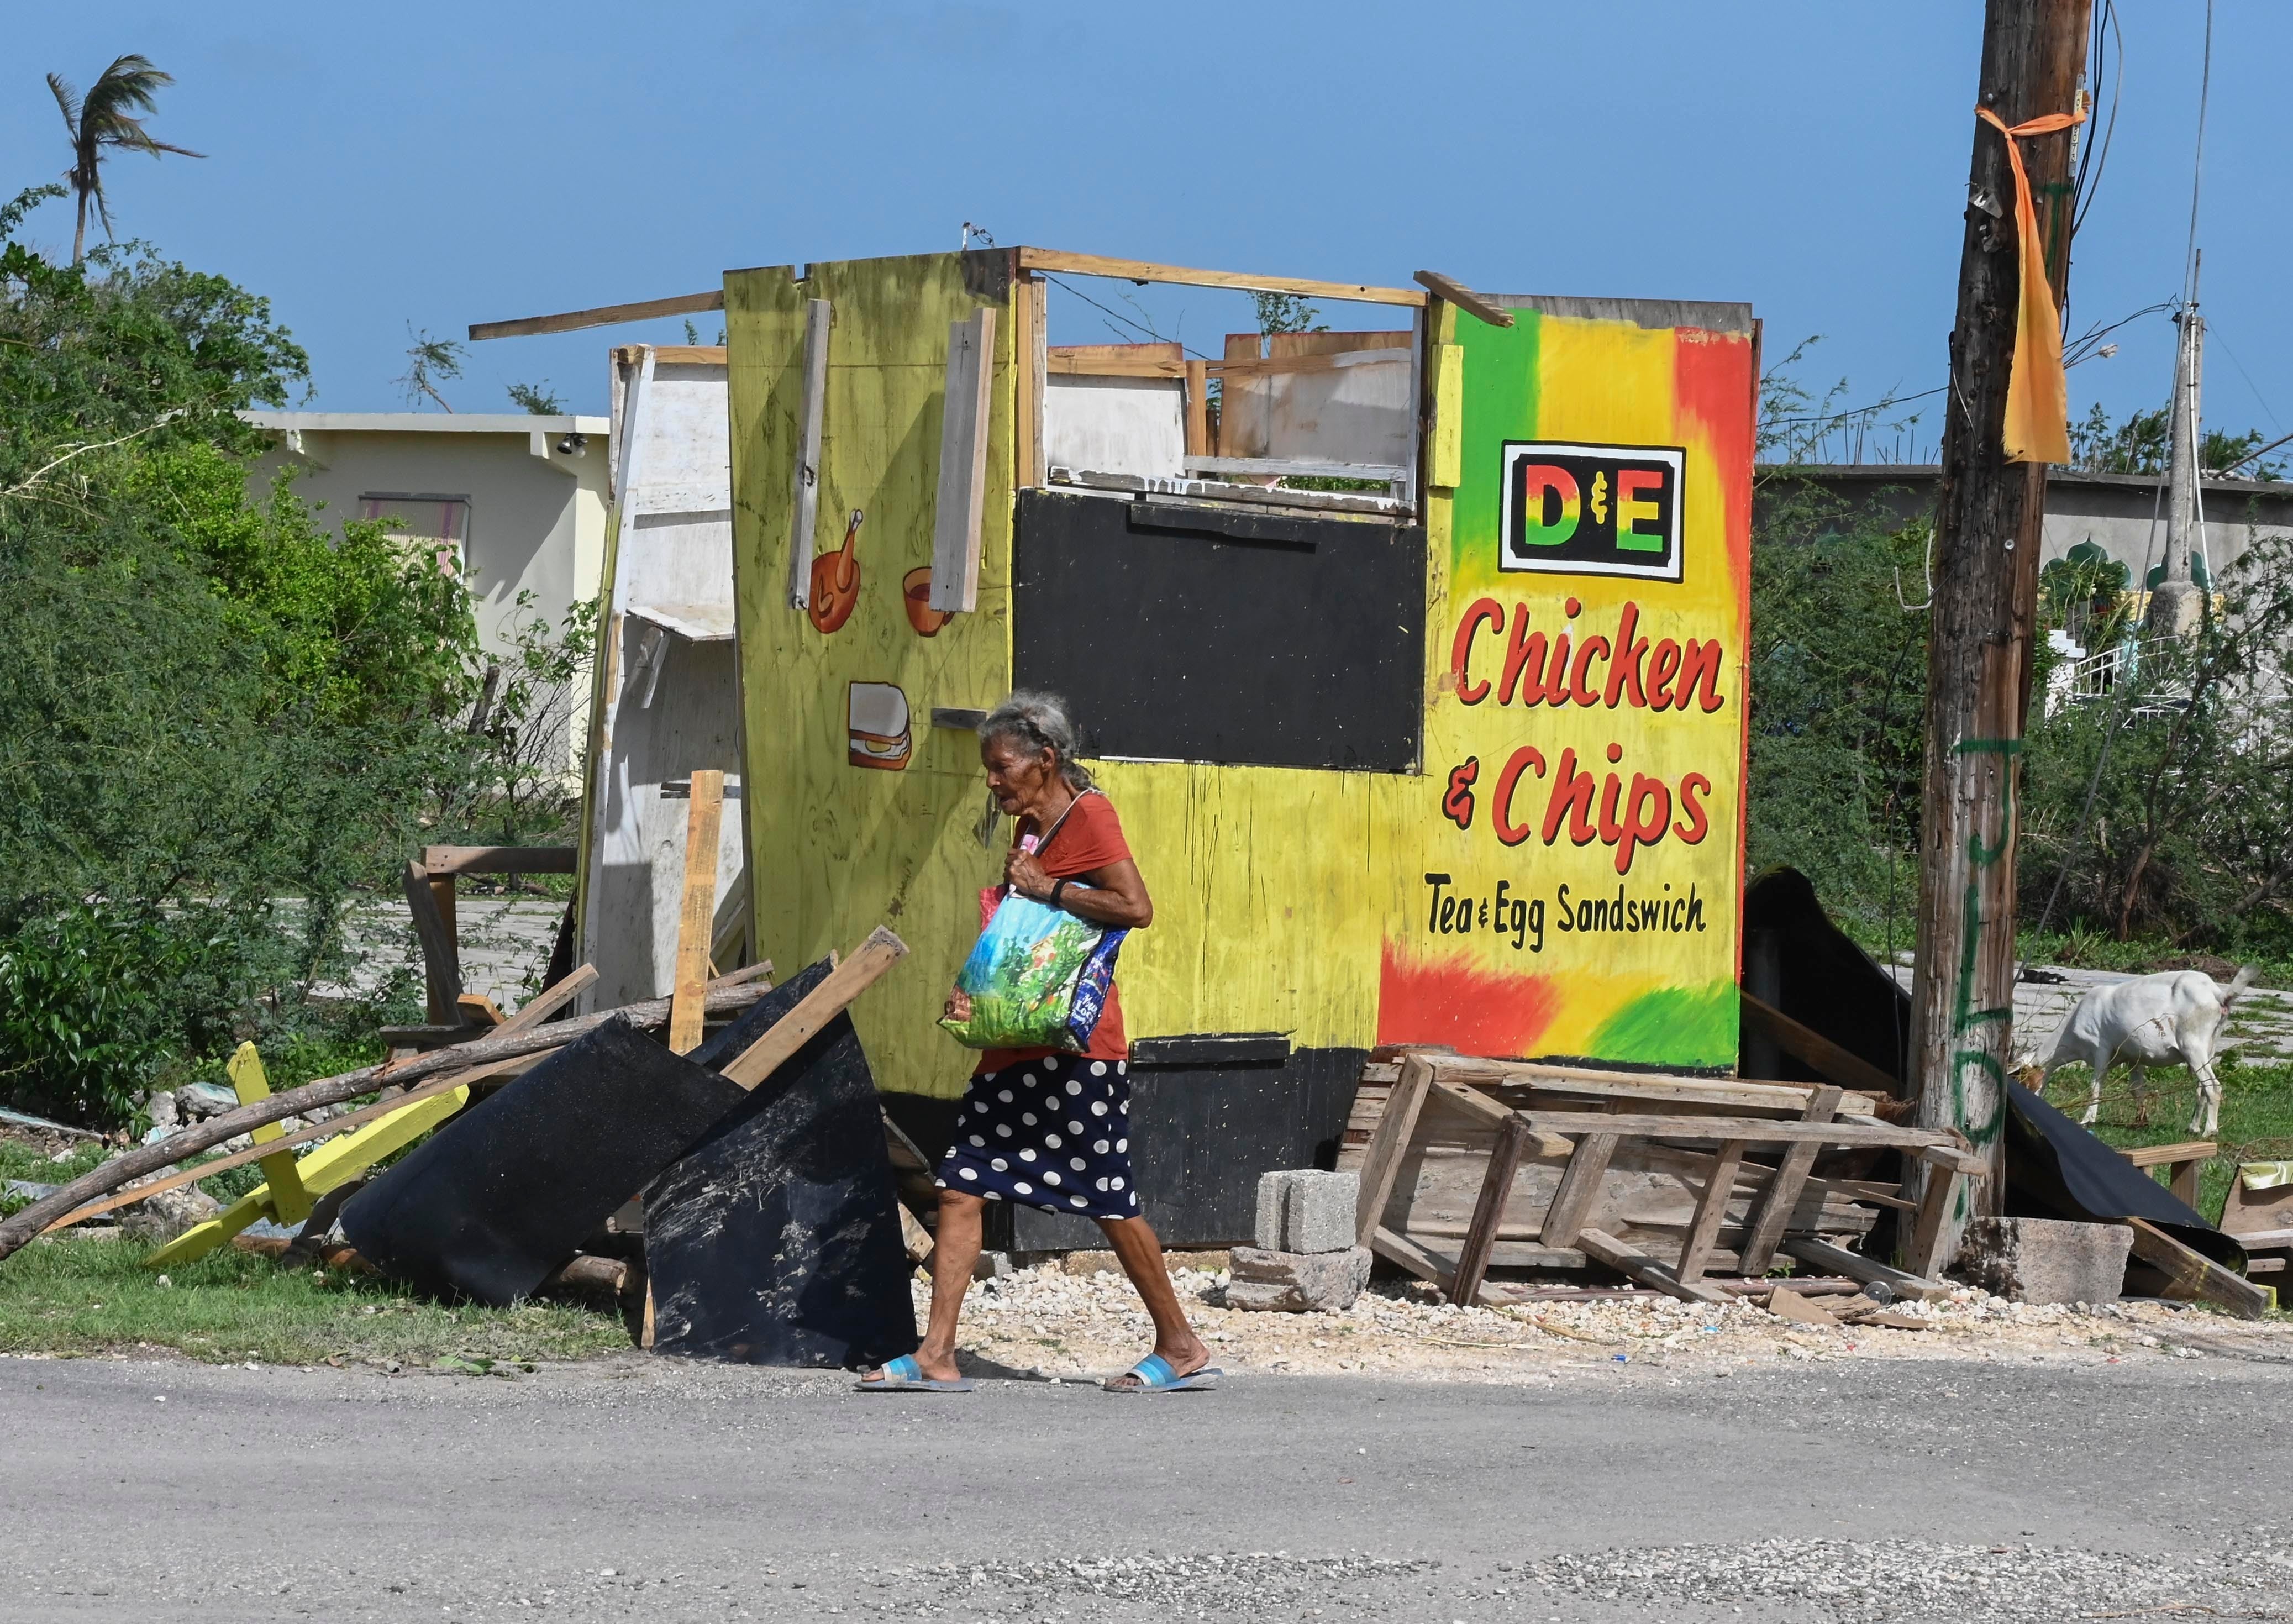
x,y
836,848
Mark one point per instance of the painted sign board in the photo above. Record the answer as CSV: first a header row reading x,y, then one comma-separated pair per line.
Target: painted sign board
x,y
1576,849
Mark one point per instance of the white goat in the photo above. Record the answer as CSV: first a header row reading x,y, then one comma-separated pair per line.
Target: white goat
x,y
2150,1021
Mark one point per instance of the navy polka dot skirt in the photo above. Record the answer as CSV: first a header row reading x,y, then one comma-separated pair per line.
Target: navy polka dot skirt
x,y
1053,1132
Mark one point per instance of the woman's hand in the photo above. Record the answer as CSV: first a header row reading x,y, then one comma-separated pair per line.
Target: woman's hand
x,y
1025,876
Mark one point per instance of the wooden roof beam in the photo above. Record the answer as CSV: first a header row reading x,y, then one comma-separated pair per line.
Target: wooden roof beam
x,y
1464,298
1147,271
605,315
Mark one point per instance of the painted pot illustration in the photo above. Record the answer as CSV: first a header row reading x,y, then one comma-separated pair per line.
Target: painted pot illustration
x,y
915,589
835,581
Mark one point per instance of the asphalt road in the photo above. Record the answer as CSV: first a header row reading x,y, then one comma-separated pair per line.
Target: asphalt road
x,y
645,1488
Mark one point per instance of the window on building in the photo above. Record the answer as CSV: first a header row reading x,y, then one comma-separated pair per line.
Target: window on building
x,y
442,524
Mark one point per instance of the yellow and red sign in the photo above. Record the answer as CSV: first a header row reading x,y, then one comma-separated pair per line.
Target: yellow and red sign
x,y
1582,836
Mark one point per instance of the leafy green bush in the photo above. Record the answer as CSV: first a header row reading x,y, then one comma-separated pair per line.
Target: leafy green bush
x,y
219,723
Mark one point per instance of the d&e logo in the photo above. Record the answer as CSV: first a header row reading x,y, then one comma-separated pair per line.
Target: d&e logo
x,y
1591,509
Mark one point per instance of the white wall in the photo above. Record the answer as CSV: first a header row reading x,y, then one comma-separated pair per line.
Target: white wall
x,y
537,523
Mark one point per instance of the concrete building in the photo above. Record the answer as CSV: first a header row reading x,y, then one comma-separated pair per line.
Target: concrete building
x,y
2113,511
521,501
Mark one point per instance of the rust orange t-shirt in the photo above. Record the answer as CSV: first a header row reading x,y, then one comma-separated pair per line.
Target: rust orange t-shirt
x,y
1088,838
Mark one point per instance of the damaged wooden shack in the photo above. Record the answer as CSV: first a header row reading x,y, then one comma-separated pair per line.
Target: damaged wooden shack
x,y
1411,652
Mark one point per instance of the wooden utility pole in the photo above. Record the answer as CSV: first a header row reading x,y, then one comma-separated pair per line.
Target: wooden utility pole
x,y
1989,517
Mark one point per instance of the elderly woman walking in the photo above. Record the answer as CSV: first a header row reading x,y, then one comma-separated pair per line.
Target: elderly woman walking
x,y
1038,1125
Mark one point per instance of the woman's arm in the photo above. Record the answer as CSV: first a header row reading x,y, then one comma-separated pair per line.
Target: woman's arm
x,y
1116,894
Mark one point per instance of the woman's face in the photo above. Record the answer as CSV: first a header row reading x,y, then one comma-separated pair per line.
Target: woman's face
x,y
1017,778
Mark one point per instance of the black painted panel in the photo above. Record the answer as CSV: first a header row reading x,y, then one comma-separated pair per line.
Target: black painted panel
x,y
775,1240
1297,644
1200,1137
499,1198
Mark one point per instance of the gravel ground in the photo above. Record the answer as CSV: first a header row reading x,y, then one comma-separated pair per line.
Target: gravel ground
x,y
1070,1327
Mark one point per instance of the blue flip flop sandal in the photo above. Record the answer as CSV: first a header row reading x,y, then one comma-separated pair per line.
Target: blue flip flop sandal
x,y
904,1375
1154,1375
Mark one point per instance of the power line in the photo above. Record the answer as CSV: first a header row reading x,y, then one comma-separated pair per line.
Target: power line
x,y
2198,163
1134,325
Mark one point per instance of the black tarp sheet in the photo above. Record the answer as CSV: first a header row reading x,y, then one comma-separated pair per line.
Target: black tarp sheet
x,y
775,1240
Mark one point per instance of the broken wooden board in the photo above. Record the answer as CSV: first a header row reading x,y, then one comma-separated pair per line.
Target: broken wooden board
x,y
2191,1276
776,1239
1838,1259
1638,1266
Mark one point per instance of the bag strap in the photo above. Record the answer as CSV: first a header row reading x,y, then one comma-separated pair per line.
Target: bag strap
x,y
1058,823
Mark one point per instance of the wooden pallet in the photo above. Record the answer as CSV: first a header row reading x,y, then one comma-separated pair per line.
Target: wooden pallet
x,y
1468,1164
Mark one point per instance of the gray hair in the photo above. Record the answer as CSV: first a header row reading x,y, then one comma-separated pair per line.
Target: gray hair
x,y
1037,722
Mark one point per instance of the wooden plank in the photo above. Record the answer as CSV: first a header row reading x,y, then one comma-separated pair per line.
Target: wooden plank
x,y
1775,1208
1812,1049
289,1201
2186,1161
1791,1098
1286,347
131,1194
917,1238
382,1127
1198,409
671,354
1758,1130
1496,1188
1399,1248
1464,298
822,1004
726,996
442,972
1448,463
1027,364
1149,360
2172,1156
1387,1146
438,860
1867,1271
819,317
1704,1230
961,510
602,315
1148,271
1927,1230
695,926
2191,1276
1636,1265
1282,466
1578,1185
2256,1240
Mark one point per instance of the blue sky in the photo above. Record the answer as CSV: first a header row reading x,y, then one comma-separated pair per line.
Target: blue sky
x,y
443,165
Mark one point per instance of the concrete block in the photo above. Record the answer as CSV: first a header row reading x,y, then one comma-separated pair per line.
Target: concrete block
x,y
1297,1282
2045,1259
1273,1200
1317,1211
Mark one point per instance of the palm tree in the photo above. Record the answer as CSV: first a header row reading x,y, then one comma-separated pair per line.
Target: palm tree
x,y
107,118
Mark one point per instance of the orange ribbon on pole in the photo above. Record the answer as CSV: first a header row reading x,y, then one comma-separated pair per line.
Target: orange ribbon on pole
x,y
2037,393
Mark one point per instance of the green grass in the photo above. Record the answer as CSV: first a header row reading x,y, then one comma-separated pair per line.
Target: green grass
x,y
93,1296
2256,1117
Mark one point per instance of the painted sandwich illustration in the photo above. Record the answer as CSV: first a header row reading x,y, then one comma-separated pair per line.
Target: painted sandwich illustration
x,y
877,718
